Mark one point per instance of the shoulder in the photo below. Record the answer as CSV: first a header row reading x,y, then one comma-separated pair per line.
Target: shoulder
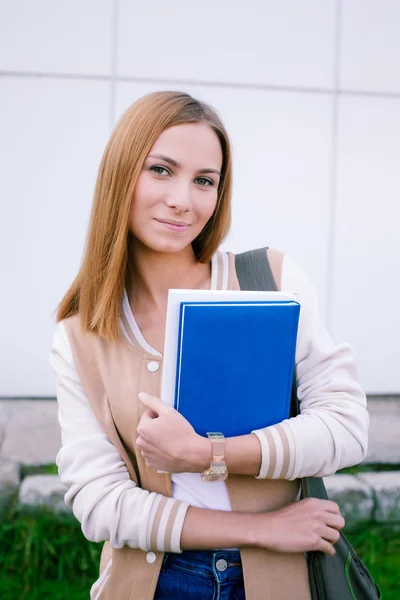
x,y
289,275
276,260
76,338
66,330
60,347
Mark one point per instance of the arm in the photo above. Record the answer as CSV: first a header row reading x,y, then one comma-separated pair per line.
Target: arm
x,y
310,524
332,431
107,503
110,506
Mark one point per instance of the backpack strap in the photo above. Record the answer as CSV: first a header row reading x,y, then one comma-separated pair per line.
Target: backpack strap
x,y
256,272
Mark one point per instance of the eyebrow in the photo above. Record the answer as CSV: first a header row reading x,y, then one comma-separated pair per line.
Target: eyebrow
x,y
173,162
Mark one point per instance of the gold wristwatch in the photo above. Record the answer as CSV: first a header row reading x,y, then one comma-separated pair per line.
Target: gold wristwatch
x,y
217,470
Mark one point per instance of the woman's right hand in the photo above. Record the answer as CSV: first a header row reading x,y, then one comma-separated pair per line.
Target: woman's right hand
x,y
311,524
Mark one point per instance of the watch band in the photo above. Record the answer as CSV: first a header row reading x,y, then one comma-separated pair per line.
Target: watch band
x,y
218,446
217,470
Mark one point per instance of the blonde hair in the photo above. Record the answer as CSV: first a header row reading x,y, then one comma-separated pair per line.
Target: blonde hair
x,y
97,291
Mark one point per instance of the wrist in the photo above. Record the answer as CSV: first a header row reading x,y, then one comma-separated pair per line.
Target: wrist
x,y
247,528
202,454
263,533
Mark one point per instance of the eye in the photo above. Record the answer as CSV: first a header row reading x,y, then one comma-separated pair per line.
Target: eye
x,y
204,181
159,170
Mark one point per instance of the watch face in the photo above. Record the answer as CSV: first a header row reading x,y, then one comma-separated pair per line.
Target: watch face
x,y
216,435
215,474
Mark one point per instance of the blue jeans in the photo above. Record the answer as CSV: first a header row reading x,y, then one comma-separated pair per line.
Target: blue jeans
x,y
201,575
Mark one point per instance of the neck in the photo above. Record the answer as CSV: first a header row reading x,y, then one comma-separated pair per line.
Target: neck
x,y
154,273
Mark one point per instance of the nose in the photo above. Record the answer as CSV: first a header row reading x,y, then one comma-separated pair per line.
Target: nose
x,y
179,197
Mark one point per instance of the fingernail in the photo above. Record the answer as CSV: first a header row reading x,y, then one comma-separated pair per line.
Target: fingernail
x,y
143,396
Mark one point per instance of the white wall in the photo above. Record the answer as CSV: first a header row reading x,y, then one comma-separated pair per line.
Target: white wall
x,y
310,93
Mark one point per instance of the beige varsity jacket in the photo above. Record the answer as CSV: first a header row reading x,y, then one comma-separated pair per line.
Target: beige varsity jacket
x,y
112,375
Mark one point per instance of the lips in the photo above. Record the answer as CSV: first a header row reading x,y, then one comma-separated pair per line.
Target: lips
x,y
169,222
177,226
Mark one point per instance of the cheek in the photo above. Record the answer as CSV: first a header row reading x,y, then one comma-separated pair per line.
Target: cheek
x,y
206,206
146,192
146,195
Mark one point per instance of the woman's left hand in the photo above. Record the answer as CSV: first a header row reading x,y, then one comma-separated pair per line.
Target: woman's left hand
x,y
167,441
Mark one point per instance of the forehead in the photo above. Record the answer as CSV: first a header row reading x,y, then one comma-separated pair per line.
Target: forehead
x,y
193,144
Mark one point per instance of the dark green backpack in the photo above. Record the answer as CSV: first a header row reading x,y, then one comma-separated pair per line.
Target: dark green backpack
x,y
342,576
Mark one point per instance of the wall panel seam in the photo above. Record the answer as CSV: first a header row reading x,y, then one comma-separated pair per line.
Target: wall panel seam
x,y
114,58
333,167
198,83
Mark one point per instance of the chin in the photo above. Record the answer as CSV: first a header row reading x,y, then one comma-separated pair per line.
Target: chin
x,y
164,247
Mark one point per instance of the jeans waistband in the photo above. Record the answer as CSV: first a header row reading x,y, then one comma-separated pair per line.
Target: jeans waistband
x,y
221,565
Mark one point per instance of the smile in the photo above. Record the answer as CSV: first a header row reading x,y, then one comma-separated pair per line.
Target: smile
x,y
173,225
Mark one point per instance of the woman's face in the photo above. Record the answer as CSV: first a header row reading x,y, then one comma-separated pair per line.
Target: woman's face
x,y
177,190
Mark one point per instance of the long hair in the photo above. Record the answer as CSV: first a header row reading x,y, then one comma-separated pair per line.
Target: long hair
x,y
96,293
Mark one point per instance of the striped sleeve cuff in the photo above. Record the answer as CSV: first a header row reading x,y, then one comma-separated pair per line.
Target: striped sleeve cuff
x,y
163,532
278,452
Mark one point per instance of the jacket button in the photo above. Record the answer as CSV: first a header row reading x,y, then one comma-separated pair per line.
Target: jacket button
x,y
153,366
151,557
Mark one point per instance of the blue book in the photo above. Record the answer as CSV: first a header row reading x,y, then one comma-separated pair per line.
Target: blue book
x,y
234,363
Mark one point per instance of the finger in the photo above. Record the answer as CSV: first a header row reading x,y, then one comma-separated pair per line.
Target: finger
x,y
153,403
150,460
148,415
327,548
327,505
336,521
331,535
144,456
146,418
331,507
143,444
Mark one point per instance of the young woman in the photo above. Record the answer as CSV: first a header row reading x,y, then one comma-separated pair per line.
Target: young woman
x,y
161,210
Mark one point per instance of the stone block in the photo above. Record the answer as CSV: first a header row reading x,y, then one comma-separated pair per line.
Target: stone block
x,y
29,431
43,491
354,497
386,486
9,482
384,440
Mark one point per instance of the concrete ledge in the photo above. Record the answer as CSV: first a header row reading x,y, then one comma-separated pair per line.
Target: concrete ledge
x,y
384,442
362,498
9,482
29,431
30,436
386,487
355,498
43,491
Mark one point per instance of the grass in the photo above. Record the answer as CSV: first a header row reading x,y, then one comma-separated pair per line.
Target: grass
x,y
46,557
11,589
372,468
38,470
379,548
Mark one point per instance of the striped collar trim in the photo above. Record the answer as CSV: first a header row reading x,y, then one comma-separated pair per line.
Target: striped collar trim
x,y
129,326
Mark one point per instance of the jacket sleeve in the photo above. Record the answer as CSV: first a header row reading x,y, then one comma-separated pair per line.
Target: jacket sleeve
x,y
331,432
107,503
